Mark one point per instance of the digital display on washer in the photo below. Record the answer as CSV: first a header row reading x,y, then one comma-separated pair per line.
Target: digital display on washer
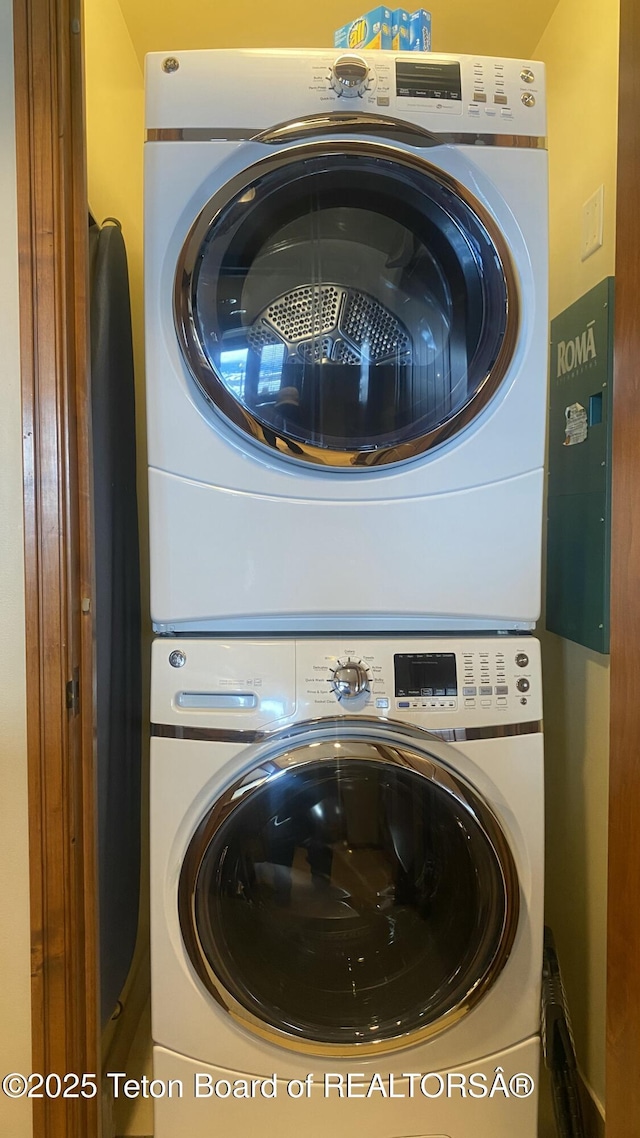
x,y
422,80
425,673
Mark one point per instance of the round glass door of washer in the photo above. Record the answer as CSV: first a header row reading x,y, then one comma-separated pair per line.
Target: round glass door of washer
x,y
348,305
349,894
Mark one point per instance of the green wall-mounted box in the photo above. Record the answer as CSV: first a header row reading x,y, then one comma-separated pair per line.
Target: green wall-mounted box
x,y
579,483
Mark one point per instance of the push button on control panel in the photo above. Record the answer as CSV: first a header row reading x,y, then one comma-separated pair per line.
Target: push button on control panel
x,y
523,684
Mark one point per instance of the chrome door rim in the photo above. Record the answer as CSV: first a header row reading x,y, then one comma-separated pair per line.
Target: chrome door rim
x,y
220,398
273,760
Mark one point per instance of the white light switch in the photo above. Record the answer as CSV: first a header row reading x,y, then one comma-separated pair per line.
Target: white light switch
x,y
592,212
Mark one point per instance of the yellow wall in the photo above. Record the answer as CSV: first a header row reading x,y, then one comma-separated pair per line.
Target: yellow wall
x,y
494,27
15,997
115,136
580,48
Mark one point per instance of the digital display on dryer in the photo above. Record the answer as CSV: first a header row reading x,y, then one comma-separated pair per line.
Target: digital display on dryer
x,y
425,674
422,80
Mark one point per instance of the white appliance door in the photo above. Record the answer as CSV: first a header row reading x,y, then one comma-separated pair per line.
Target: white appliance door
x,y
345,302
349,893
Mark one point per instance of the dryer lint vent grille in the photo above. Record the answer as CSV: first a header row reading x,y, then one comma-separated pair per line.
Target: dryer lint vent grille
x,y
328,323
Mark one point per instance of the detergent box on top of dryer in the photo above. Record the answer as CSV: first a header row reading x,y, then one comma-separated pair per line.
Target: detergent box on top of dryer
x,y
420,30
400,30
373,30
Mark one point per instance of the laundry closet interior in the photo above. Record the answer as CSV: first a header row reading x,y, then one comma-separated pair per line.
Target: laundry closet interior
x,y
358,647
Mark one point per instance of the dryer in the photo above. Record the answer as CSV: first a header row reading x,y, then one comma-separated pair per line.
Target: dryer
x,y
346,886
346,340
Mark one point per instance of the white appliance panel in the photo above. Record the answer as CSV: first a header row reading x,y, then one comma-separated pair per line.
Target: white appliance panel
x,y
379,1117
212,489
257,88
188,774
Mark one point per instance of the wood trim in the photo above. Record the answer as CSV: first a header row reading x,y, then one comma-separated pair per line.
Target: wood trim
x,y
53,267
623,921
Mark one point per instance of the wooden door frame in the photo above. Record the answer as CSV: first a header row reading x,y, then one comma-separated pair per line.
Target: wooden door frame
x,y
623,919
53,280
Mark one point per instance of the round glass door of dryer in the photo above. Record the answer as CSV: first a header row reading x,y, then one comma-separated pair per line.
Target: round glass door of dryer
x,y
348,896
350,306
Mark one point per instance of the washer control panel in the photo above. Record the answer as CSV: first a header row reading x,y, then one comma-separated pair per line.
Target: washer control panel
x,y
426,680
436,682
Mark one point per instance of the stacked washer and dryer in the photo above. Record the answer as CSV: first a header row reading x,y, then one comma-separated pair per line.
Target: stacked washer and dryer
x,y
346,329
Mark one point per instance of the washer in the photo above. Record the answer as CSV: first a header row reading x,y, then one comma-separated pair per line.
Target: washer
x,y
346,884
346,337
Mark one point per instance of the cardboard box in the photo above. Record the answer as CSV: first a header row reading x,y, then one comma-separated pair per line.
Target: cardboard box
x,y
420,30
371,31
400,30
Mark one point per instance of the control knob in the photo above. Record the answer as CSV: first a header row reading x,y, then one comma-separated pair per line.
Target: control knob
x,y
522,659
523,684
350,679
350,76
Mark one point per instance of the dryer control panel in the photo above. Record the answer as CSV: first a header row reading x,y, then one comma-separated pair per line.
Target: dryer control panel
x,y
226,91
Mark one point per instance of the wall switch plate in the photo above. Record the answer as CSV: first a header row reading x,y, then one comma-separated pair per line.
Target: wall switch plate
x,y
592,214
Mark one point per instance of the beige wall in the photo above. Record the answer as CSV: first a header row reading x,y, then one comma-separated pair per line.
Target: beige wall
x,y
15,999
580,48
